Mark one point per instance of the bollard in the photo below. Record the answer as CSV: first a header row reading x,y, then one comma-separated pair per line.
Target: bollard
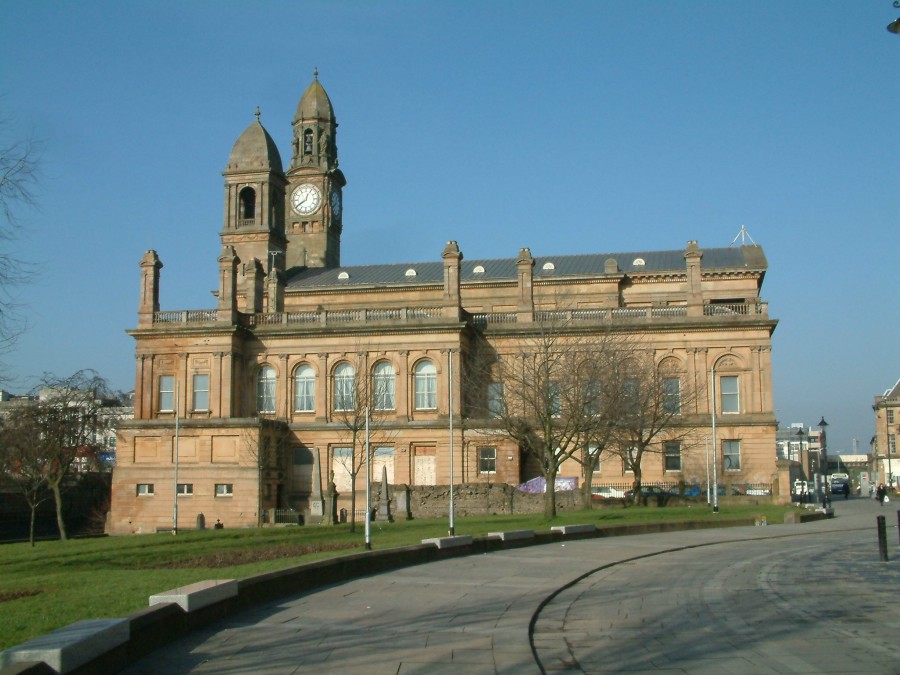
x,y
898,522
882,539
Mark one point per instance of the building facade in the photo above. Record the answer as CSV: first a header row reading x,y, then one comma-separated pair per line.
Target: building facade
x,y
885,460
253,405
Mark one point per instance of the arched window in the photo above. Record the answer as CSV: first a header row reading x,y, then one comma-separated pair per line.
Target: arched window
x,y
305,389
384,385
425,386
344,387
265,390
248,203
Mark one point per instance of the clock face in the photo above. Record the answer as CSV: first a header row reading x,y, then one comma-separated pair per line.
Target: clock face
x,y
336,203
306,199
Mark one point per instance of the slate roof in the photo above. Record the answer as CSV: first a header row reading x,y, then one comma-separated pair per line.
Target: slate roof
x,y
504,269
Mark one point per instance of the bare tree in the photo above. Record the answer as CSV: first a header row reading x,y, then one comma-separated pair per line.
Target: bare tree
x,y
19,162
21,463
66,423
551,390
361,397
653,402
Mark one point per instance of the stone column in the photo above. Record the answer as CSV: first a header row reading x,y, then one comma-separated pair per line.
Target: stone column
x,y
452,258
149,303
694,290
226,308
525,282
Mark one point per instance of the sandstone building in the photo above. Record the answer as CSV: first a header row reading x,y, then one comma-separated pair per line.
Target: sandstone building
x,y
261,387
886,460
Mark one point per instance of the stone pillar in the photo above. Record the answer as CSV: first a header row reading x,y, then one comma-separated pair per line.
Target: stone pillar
x,y
316,509
226,309
692,257
402,502
275,292
525,281
254,284
384,504
452,258
149,304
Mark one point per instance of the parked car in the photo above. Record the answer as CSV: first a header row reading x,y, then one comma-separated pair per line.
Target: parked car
x,y
604,492
649,491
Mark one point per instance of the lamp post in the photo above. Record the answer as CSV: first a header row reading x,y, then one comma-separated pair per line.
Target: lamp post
x,y
712,407
800,433
894,26
823,457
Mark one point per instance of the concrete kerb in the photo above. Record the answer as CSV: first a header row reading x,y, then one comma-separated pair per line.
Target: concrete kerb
x,y
160,624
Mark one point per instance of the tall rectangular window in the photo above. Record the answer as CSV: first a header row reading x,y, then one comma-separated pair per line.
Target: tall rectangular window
x,y
554,398
305,389
592,393
730,395
890,416
385,384
496,400
631,396
892,444
594,457
425,385
265,390
201,392
166,393
673,455
731,455
344,388
629,459
487,460
671,395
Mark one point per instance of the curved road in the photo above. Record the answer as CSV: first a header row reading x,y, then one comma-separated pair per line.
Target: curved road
x,y
811,598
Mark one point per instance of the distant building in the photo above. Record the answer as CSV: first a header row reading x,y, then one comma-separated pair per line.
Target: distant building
x,y
886,461
259,384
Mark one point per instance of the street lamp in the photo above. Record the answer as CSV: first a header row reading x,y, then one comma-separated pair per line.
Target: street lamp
x,y
823,457
800,434
894,26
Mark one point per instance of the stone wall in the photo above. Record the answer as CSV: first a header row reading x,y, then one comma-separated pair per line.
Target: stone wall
x,y
469,499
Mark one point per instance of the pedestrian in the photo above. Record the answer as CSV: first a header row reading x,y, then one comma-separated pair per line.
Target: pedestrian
x,y
881,493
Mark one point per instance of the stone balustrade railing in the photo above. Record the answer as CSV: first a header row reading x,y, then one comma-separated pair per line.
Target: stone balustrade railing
x,y
327,317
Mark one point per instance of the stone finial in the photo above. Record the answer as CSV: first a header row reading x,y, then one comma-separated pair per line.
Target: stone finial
x,y
451,250
693,250
525,257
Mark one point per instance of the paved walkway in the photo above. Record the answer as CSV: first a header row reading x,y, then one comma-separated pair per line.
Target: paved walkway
x,y
811,598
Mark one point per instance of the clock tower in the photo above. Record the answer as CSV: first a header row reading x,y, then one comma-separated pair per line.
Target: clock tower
x,y
312,200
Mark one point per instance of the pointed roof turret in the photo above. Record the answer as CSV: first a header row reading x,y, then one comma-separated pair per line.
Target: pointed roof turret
x,y
254,150
315,104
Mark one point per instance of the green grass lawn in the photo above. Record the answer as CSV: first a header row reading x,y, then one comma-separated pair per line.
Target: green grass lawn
x,y
56,583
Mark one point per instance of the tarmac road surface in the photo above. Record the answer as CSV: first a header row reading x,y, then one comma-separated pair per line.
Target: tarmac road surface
x,y
810,598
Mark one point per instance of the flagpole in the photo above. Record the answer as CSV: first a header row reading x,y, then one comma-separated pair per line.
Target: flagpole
x,y
450,374
368,487
175,506
715,448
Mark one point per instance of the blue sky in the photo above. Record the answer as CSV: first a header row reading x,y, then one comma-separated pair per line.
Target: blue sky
x,y
563,126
